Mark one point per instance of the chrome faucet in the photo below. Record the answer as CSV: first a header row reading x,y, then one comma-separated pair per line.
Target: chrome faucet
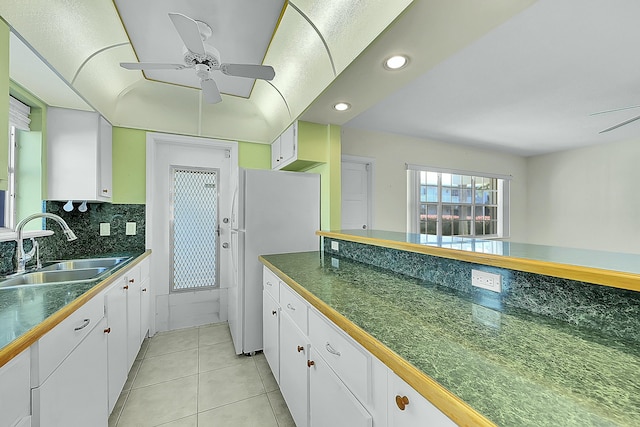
x,y
21,256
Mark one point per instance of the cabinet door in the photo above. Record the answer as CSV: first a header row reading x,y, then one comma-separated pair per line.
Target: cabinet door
x,y
116,313
407,407
294,377
15,390
75,394
331,403
275,154
132,282
145,309
288,145
270,333
105,159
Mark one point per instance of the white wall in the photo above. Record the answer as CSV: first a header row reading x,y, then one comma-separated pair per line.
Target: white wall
x,y
586,198
393,151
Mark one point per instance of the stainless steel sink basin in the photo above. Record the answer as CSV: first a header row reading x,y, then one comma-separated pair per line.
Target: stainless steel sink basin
x,y
76,264
56,276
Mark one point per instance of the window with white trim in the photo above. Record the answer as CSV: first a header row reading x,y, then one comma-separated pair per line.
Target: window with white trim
x,y
447,202
18,120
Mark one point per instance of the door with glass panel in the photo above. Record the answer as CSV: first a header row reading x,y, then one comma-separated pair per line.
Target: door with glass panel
x,y
194,228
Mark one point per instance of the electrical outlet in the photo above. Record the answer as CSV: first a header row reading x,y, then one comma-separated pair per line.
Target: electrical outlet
x,y
105,229
335,246
130,229
485,280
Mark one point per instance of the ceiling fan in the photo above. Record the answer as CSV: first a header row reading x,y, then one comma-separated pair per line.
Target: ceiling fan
x,y
204,58
626,122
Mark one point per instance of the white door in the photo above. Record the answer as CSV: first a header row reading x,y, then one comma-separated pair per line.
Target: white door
x,y
188,307
357,177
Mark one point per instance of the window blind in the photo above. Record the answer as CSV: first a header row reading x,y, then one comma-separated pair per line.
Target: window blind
x,y
19,114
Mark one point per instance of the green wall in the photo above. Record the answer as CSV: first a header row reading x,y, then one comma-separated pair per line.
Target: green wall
x,y
254,156
4,104
129,166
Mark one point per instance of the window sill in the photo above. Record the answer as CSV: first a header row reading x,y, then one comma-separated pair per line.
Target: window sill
x,y
9,235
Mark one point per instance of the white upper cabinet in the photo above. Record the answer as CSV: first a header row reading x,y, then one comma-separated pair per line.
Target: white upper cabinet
x,y
284,148
79,155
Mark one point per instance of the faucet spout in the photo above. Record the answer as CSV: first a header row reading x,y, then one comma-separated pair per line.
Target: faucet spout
x,y
21,256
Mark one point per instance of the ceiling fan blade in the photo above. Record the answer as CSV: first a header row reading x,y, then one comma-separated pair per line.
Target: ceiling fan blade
x,y
264,72
210,91
626,122
151,66
189,32
615,109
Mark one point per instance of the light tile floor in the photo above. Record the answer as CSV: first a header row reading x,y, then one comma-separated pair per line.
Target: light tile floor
x,y
193,378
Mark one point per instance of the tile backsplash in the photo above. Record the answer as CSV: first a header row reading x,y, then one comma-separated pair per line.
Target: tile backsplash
x,y
611,311
86,226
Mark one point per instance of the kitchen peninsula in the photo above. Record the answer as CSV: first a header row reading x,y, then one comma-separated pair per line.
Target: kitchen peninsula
x,y
547,350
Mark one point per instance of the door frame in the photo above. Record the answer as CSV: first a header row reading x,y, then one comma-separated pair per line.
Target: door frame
x,y
152,141
371,162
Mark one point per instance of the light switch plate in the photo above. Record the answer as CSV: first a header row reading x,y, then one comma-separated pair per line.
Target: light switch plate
x,y
105,229
130,229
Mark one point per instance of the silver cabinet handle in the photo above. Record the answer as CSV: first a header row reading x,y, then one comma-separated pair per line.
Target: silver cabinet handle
x,y
84,325
290,307
331,349
269,283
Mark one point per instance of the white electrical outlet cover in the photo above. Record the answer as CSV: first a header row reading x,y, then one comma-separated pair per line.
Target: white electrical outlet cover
x,y
335,246
105,229
486,280
130,229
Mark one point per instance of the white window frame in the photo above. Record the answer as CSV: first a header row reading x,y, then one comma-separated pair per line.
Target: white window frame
x,y
414,203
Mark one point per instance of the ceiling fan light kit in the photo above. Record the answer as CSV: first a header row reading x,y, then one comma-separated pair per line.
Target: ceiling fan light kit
x,y
203,58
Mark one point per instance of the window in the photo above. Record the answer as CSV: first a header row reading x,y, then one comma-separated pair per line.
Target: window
x,y
18,120
457,203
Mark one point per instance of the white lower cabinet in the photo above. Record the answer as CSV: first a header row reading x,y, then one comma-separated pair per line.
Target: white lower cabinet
x,y
115,309
75,394
15,391
294,375
145,300
271,334
330,401
407,407
132,282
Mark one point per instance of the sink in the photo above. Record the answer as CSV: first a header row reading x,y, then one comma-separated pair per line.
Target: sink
x,y
77,264
55,276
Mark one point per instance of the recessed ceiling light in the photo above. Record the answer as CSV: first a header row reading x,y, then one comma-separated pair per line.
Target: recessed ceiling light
x,y
396,62
341,106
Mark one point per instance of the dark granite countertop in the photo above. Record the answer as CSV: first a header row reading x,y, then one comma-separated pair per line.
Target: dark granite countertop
x,y
24,308
512,367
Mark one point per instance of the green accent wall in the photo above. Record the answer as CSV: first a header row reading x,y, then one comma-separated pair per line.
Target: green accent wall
x,y
4,104
129,166
254,156
330,177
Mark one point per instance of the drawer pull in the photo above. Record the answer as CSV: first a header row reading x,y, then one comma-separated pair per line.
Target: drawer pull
x,y
331,349
132,280
274,312
107,331
300,348
125,287
290,307
310,363
84,325
144,289
402,402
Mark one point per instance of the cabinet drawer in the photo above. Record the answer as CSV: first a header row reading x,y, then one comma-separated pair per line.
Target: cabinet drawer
x,y
50,350
133,276
350,361
294,306
271,283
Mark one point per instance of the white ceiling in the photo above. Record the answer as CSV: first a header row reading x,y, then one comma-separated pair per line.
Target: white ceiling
x,y
527,86
242,30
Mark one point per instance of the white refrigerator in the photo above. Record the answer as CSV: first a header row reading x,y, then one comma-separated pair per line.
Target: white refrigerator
x,y
272,212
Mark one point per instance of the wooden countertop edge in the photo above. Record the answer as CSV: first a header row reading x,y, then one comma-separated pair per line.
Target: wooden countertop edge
x,y
25,341
611,278
450,404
